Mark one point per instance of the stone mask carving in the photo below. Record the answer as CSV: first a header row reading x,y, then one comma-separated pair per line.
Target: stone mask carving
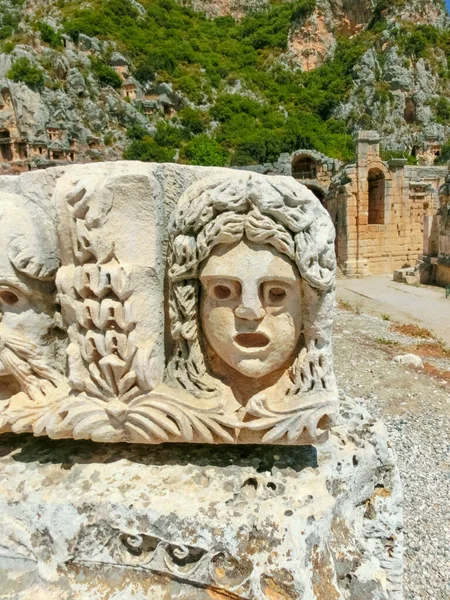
x,y
251,308
251,273
29,353
257,255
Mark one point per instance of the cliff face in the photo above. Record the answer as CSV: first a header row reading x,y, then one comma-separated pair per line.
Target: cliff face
x,y
227,8
396,79
400,88
396,97
314,41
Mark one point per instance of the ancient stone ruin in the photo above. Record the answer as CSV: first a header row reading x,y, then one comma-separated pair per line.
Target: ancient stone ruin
x,y
149,304
382,210
436,253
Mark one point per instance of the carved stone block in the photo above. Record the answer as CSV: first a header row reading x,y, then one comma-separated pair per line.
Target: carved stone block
x,y
154,303
160,303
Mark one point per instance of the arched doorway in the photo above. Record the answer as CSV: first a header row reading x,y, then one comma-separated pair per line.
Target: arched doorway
x,y
5,145
377,196
304,167
410,111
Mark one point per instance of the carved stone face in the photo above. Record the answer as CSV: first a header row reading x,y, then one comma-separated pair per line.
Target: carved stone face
x,y
251,307
26,303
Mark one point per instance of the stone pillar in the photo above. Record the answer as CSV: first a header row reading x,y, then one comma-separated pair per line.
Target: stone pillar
x,y
368,150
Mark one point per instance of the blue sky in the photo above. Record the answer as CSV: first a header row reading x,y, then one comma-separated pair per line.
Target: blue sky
x,y
447,2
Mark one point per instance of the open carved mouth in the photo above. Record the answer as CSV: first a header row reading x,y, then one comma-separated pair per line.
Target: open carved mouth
x,y
251,340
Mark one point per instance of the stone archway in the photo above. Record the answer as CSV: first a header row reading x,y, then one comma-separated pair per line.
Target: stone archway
x,y
304,167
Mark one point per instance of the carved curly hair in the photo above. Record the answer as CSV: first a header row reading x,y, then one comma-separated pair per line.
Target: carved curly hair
x,y
266,210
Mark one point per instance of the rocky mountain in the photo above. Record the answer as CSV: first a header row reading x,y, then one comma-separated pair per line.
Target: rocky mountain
x,y
220,82
400,82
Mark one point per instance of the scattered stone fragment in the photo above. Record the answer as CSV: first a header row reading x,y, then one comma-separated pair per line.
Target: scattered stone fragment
x,y
410,360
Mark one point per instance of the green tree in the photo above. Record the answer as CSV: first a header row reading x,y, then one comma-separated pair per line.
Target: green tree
x,y
303,9
144,72
106,74
136,132
444,156
148,150
203,150
49,35
10,18
194,121
443,110
169,136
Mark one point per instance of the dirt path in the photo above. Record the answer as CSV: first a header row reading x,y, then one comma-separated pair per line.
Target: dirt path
x,y
423,305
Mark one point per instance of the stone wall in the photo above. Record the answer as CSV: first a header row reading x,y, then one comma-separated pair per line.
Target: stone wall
x,y
378,207
317,172
379,239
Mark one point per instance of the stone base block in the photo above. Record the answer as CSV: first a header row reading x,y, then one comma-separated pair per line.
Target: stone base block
x,y
97,522
355,268
410,276
443,274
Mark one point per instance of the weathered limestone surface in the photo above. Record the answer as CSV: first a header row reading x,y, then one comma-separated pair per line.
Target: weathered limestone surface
x,y
442,276
83,520
314,40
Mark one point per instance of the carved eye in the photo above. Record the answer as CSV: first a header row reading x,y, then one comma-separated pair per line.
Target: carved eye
x,y
8,298
276,294
222,292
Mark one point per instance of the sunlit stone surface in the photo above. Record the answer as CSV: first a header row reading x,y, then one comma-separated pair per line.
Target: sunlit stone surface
x,y
186,311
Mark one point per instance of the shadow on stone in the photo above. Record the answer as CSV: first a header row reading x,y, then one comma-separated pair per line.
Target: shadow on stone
x,y
27,449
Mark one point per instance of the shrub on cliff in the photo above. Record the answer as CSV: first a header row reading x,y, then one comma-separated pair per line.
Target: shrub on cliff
x,y
49,35
106,75
148,150
443,110
444,156
9,18
170,136
144,72
23,71
194,121
303,9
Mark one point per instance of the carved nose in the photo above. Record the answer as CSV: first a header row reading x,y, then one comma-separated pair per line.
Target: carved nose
x,y
250,307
